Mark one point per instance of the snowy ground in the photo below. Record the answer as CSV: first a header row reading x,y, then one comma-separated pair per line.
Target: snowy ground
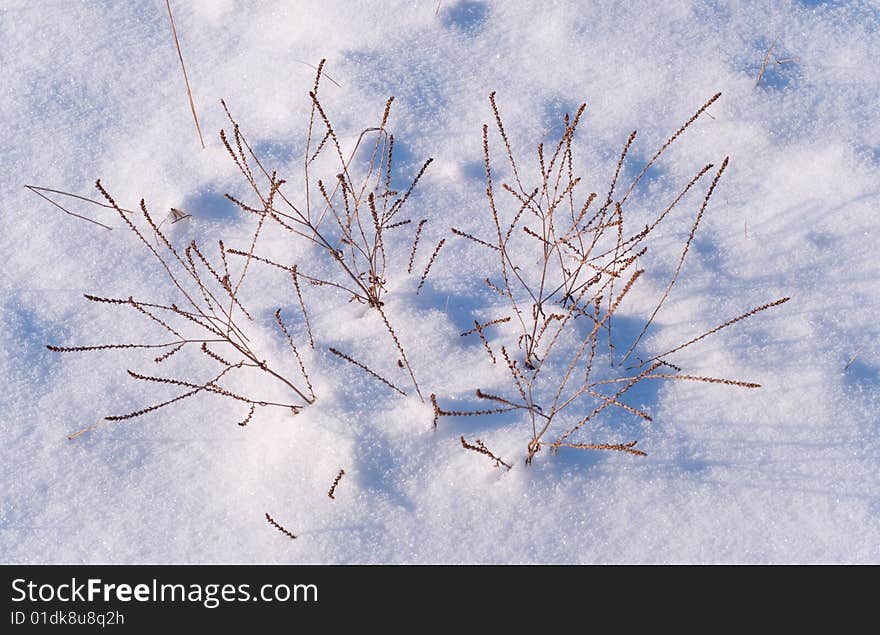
x,y
787,473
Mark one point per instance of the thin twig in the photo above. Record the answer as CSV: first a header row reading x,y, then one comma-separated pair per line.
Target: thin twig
x,y
764,63
338,478
479,447
366,369
279,527
185,78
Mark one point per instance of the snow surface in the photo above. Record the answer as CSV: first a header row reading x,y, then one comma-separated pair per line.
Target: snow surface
x,y
787,473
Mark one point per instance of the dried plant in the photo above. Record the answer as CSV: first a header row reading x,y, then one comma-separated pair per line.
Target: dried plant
x,y
366,369
189,95
349,220
332,492
564,268
479,447
430,264
279,527
43,192
561,310
207,318
348,224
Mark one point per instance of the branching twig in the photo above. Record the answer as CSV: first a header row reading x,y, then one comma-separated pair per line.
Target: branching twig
x,y
480,448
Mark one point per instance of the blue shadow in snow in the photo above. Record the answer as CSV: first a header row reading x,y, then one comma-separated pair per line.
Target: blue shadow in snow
x,y
375,74
462,310
467,16
614,424
707,251
819,3
860,374
776,77
404,164
474,171
210,205
272,154
632,166
873,154
624,331
30,336
779,76
373,457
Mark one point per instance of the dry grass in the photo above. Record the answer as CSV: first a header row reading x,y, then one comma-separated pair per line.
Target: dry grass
x,y
480,448
43,192
347,224
349,220
207,318
566,260
332,493
279,527
561,311
192,105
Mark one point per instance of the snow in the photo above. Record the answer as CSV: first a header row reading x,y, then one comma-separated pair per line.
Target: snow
x,y
786,473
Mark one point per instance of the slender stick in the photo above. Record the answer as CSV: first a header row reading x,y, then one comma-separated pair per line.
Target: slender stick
x,y
185,78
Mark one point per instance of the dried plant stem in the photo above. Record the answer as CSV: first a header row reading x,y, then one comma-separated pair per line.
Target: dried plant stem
x,y
415,245
485,325
550,296
479,329
302,305
39,192
279,527
458,232
332,492
366,369
430,263
680,261
249,416
469,413
296,353
479,447
215,324
185,77
738,318
764,63
629,448
401,351
669,142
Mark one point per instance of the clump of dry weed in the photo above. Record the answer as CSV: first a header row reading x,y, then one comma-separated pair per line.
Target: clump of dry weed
x,y
561,311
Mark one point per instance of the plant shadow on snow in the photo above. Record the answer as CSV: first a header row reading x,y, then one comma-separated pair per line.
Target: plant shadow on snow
x,y
467,16
404,163
378,464
275,153
782,71
870,154
213,206
707,251
613,426
461,310
474,171
819,3
860,376
616,425
424,99
30,334
654,176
